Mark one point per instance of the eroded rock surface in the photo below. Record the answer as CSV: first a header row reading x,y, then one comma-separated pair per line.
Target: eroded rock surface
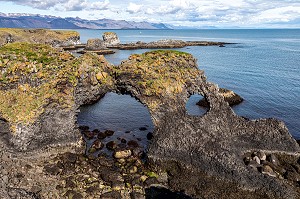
x,y
201,156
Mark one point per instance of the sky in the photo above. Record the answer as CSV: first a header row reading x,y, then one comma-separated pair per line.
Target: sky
x,y
191,13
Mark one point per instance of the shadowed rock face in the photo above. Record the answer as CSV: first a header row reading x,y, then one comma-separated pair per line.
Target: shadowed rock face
x,y
202,155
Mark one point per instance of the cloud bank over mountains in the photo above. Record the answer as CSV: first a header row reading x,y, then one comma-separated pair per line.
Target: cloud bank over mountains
x,y
194,13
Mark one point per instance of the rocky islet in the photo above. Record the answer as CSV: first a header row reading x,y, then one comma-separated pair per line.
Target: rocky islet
x,y
205,157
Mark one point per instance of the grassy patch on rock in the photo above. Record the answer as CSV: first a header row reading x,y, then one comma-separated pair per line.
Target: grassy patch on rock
x,y
34,76
159,73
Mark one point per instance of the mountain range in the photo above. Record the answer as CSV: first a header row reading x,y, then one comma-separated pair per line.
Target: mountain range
x,y
24,20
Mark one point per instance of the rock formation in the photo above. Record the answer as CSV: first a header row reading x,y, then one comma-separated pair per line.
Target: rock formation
x,y
110,39
229,96
41,36
95,44
41,82
202,156
166,43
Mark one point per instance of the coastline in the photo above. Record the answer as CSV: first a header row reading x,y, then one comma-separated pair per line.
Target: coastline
x,y
150,78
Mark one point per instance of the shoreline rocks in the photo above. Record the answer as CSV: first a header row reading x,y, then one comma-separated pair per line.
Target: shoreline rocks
x,y
168,43
229,96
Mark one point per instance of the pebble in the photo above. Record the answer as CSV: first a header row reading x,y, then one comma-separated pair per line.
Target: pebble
x,y
123,140
109,132
122,154
98,145
111,145
133,170
101,136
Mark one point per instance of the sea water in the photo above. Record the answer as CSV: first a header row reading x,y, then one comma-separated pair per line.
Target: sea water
x,y
263,67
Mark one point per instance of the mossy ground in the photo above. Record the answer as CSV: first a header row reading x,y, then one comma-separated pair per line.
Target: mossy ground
x,y
160,73
33,76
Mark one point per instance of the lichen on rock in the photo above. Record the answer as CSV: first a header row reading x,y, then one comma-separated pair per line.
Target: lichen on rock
x,y
159,76
37,80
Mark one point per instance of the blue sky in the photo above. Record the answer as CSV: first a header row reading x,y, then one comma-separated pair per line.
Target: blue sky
x,y
193,13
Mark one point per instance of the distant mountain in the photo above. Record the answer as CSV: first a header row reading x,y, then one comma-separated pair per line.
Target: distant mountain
x,y
24,20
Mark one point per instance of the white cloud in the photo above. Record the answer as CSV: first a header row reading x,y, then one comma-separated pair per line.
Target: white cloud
x,y
243,13
134,8
283,14
65,5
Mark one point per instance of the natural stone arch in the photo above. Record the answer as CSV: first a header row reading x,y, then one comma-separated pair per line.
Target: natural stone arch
x,y
116,120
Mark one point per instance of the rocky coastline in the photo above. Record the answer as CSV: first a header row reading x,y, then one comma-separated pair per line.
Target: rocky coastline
x,y
217,155
110,41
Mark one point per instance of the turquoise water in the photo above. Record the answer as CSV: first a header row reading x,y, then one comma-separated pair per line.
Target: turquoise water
x,y
263,67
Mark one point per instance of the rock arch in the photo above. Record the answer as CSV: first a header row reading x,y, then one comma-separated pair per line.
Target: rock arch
x,y
198,152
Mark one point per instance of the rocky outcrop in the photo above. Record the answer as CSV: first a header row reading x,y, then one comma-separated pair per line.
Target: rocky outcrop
x,y
202,156
46,87
229,96
40,36
110,39
167,43
95,44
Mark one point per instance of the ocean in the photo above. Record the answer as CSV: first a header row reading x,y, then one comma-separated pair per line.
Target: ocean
x,y
263,67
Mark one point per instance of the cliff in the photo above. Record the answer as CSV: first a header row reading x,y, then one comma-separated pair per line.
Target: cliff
x,y
40,36
208,156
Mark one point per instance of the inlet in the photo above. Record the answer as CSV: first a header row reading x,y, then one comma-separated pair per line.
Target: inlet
x,y
115,122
